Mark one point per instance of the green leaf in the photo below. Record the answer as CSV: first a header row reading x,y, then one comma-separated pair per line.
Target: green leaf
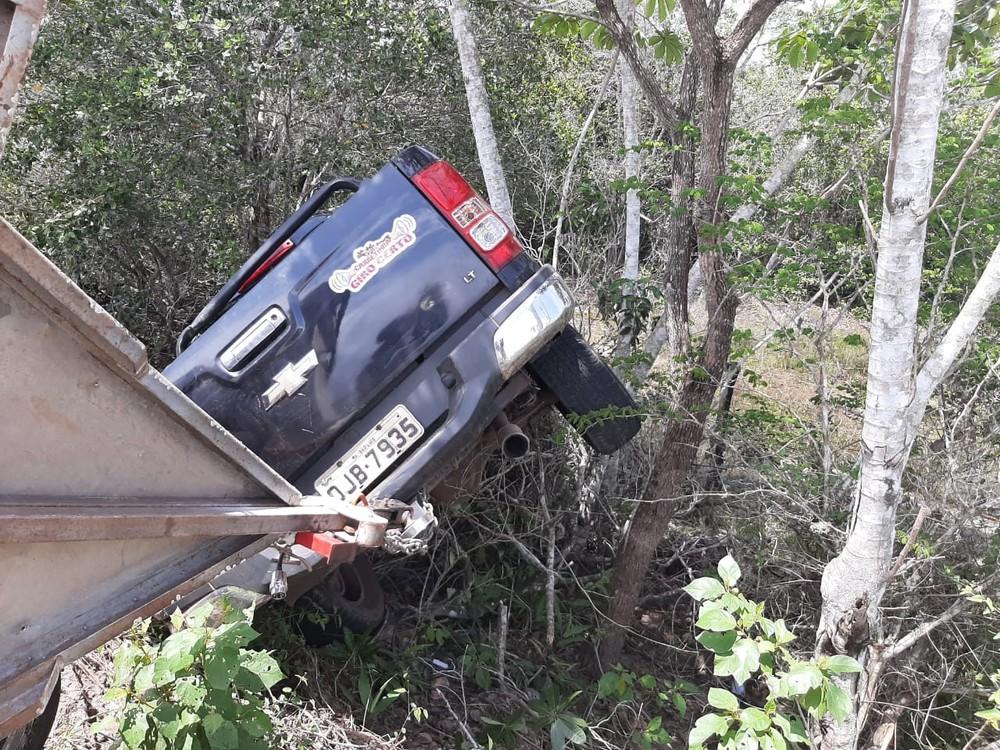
x,y
840,664
802,677
729,571
134,727
681,704
705,728
221,666
177,619
726,665
647,681
257,724
722,699
144,679
991,715
746,651
719,643
222,734
259,670
701,589
187,693
838,702
235,635
567,728
853,339
716,620
168,720
756,719
125,661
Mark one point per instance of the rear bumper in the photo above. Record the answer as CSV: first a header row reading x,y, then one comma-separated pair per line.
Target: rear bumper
x,y
475,372
524,326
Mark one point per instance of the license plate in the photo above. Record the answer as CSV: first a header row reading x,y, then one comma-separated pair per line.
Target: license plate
x,y
371,457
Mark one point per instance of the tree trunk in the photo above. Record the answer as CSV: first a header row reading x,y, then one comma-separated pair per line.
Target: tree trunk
x,y
19,26
717,59
479,112
633,206
854,581
680,442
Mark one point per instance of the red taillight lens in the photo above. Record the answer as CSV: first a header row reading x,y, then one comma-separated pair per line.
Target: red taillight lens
x,y
471,216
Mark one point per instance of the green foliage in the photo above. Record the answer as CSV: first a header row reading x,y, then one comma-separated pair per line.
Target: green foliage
x,y
199,689
747,645
630,303
552,710
380,680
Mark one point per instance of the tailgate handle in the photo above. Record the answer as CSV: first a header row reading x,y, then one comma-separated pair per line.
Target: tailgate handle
x,y
217,305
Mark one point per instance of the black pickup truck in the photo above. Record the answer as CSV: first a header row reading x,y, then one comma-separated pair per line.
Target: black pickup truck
x,y
373,349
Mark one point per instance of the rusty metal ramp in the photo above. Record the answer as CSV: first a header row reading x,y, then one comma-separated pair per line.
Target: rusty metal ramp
x,y
117,493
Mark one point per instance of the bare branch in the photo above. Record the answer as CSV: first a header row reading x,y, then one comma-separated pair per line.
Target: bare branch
x,y
911,539
567,180
734,45
969,153
955,340
922,631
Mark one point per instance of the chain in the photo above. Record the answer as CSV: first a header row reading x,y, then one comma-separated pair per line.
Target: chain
x,y
396,544
415,535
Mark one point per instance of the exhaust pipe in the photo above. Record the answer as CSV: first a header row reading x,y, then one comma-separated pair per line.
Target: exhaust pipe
x,y
514,444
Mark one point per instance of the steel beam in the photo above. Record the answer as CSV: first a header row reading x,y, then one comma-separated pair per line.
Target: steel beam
x,y
30,520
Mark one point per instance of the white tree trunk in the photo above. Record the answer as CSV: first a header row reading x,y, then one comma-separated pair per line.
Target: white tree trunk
x,y
854,581
633,206
479,112
630,141
18,30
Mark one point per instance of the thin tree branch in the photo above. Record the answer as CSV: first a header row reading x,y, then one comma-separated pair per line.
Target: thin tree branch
x,y
568,178
922,631
955,339
969,153
911,539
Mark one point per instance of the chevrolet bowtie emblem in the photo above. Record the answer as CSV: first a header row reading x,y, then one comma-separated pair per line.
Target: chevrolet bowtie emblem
x,y
289,379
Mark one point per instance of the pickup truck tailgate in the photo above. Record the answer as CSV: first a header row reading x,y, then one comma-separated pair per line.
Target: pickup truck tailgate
x,y
319,341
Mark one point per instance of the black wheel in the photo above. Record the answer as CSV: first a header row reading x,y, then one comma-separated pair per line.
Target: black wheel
x,y
33,736
584,384
349,598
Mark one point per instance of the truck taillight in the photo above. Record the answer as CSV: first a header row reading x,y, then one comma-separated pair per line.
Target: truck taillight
x,y
468,213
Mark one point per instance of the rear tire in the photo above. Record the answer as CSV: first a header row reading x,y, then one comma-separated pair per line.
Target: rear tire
x,y
350,598
584,384
33,736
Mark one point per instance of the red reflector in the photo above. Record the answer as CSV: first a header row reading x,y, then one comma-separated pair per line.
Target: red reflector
x,y
270,262
448,191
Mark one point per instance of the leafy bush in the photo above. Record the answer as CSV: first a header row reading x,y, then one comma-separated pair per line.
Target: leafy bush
x,y
749,646
199,688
